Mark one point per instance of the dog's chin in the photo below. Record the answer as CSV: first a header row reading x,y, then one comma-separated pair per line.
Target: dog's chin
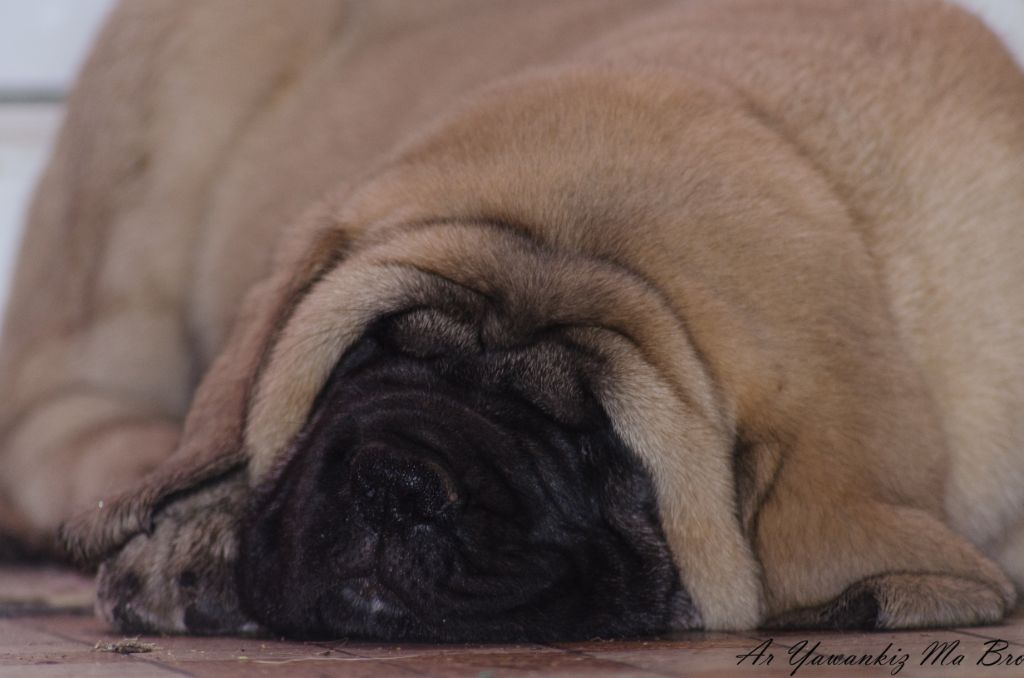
x,y
442,490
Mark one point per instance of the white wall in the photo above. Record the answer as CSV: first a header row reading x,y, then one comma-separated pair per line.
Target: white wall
x,y
42,41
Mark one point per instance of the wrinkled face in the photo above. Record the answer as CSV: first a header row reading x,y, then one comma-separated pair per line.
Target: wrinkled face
x,y
442,489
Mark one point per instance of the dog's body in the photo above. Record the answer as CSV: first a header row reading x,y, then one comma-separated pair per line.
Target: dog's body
x,y
777,245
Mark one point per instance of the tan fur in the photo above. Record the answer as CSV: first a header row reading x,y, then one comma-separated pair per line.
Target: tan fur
x,y
792,229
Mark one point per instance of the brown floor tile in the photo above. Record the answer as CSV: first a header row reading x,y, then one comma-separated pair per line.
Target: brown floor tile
x,y
476,660
677,641
299,669
381,651
50,642
44,589
1010,630
15,636
127,669
517,664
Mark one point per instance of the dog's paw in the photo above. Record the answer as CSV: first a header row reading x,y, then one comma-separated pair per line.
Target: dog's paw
x,y
180,577
904,601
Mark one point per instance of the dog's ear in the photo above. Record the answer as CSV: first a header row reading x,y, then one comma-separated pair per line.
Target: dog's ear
x,y
147,581
212,443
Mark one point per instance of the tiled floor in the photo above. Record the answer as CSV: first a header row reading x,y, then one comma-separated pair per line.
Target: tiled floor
x,y
46,630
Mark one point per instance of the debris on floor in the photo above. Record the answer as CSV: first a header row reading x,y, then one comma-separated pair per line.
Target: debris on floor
x,y
124,646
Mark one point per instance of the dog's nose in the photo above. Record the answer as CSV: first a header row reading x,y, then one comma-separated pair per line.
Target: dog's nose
x,y
393,486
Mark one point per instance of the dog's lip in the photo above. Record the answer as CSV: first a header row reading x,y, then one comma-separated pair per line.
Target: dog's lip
x,y
368,595
373,591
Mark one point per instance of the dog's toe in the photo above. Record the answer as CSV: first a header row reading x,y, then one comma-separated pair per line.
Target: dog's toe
x,y
180,578
903,601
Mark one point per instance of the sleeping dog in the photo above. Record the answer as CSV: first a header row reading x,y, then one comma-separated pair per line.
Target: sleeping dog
x,y
496,321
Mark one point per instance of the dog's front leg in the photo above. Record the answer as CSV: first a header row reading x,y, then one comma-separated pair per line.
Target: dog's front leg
x,y
842,562
180,577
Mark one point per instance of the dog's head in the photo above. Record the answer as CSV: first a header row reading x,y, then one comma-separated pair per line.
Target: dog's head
x,y
481,452
446,489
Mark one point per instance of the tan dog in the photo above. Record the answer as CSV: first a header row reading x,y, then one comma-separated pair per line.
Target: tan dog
x,y
499,320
